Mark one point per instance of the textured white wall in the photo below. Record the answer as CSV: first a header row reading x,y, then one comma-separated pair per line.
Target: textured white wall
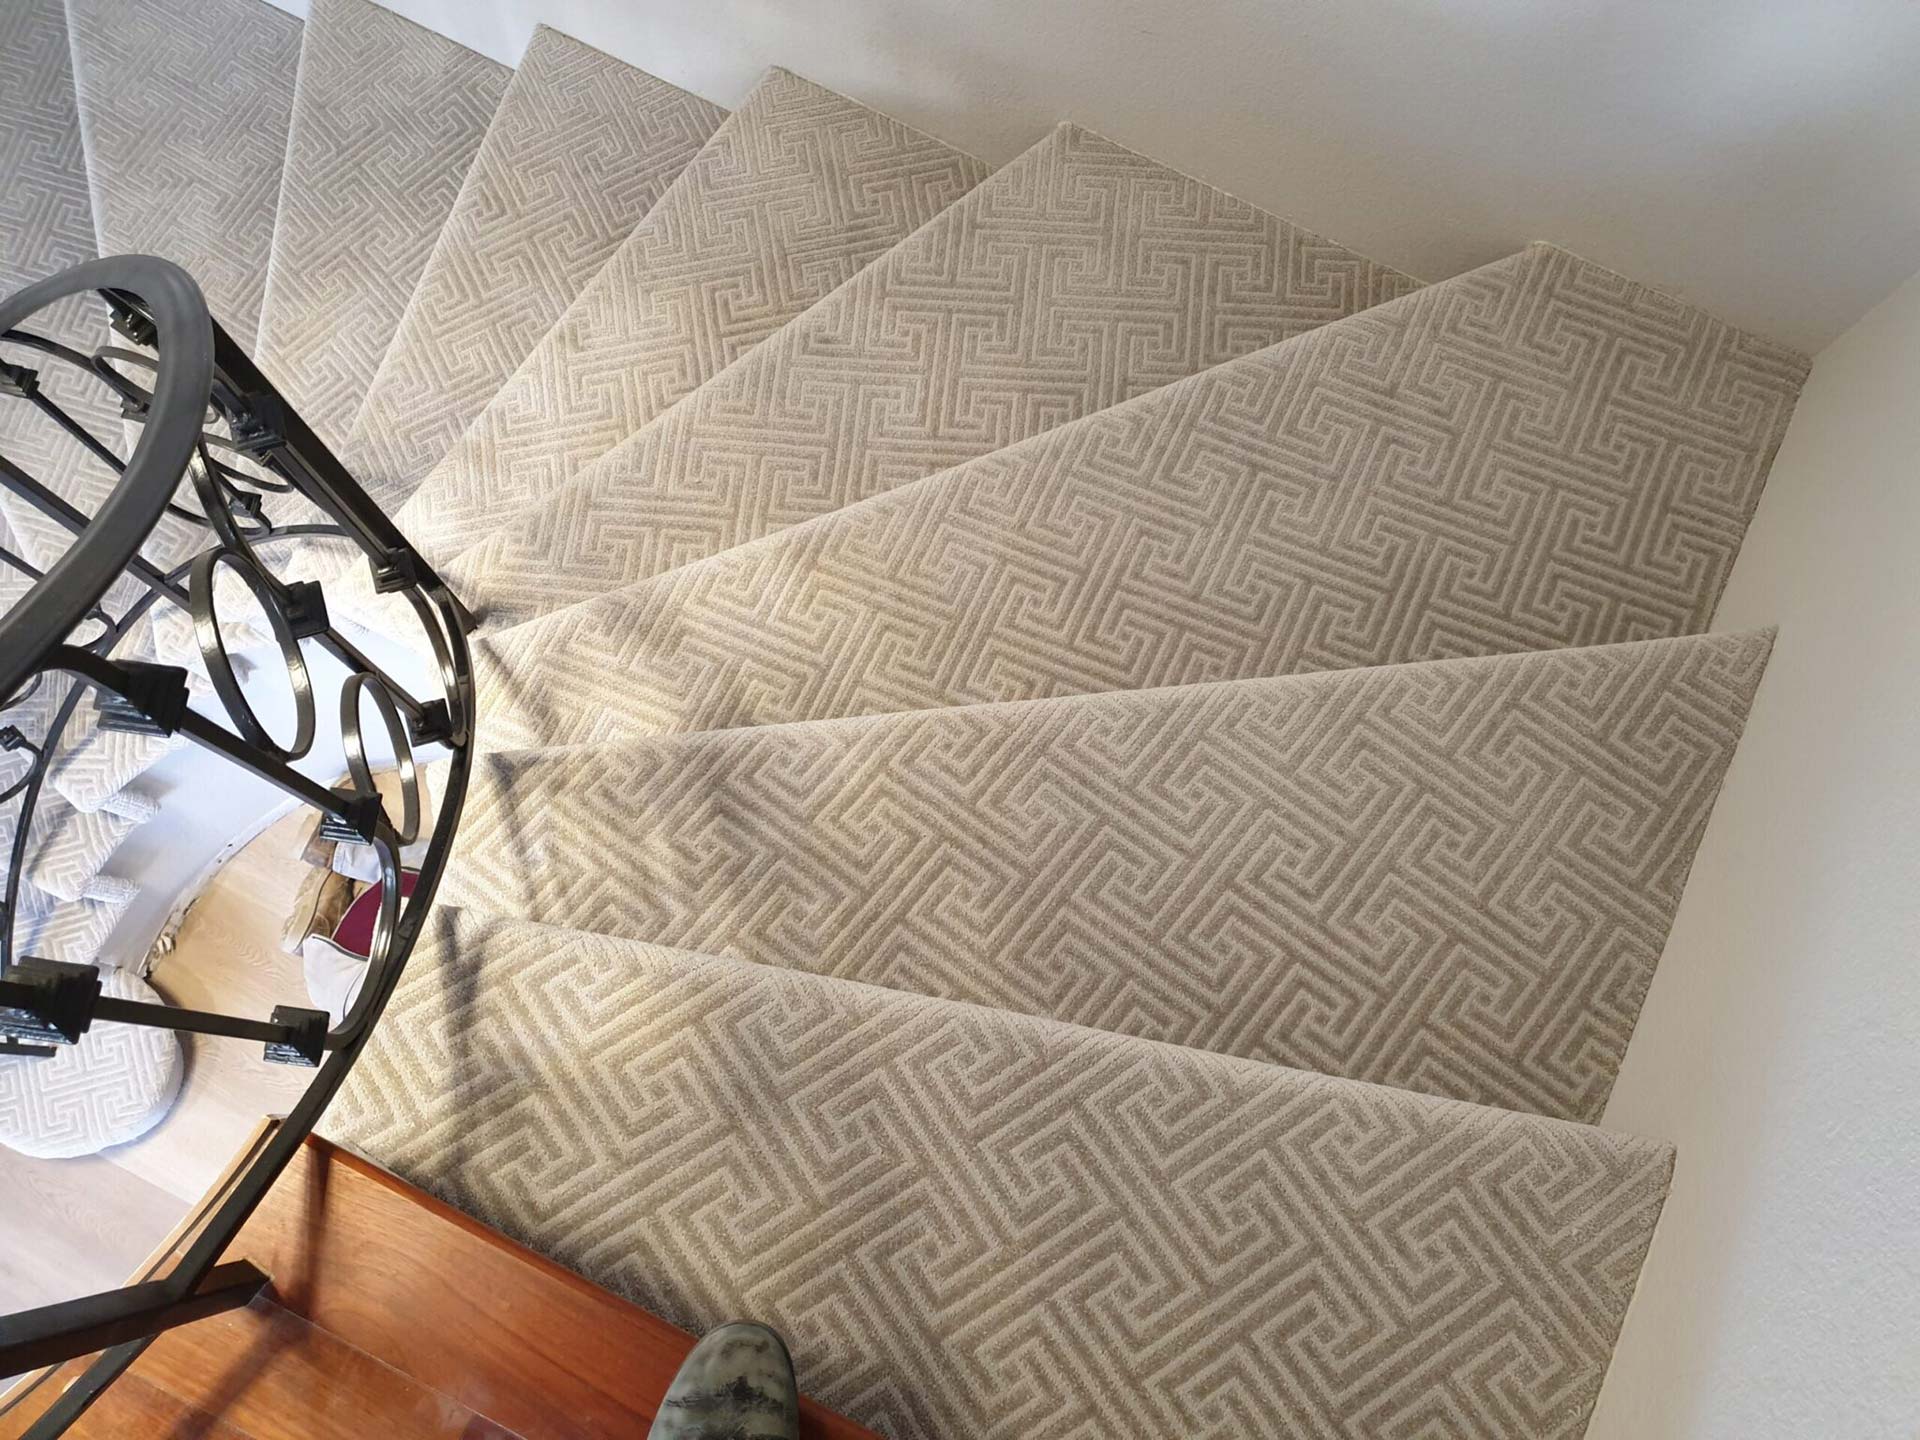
x,y
1759,156
1780,1045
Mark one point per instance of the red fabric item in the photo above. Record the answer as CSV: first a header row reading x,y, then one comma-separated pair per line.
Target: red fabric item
x,y
355,930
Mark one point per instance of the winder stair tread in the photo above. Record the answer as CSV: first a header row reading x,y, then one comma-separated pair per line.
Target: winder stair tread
x,y
1532,455
387,117
969,1222
580,149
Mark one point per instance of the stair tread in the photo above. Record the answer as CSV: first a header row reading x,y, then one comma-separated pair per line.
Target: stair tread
x,y
1533,455
580,149
184,106
74,931
46,219
45,212
969,1222
1454,877
387,117
797,191
67,849
1075,277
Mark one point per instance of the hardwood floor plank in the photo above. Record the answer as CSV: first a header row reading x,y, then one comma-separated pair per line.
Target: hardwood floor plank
x,y
465,1311
227,957
74,1227
276,1376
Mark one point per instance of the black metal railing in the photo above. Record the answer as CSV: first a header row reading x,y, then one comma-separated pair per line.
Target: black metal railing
x,y
204,423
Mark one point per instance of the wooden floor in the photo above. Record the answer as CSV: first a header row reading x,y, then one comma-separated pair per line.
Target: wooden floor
x,y
391,1315
77,1226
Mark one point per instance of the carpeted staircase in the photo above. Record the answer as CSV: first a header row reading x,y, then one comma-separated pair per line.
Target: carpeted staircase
x,y
1084,785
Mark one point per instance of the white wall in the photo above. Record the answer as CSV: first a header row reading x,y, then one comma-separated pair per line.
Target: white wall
x,y
1780,1045
1759,156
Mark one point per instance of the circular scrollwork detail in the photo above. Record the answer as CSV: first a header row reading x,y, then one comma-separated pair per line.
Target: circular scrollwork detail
x,y
354,742
386,924
213,648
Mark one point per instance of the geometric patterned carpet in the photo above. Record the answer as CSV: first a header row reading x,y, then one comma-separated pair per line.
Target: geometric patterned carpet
x,y
112,1087
185,161
1455,877
1082,787
1079,276
797,191
1531,455
386,119
981,1224
578,152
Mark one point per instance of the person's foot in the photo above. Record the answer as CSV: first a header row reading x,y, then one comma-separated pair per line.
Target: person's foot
x,y
736,1384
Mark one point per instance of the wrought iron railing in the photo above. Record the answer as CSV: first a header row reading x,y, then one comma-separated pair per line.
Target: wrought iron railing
x,y
204,423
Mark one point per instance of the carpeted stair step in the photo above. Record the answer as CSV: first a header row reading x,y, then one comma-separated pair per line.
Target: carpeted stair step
x,y
387,117
184,105
46,225
796,192
91,767
1454,876
973,1223
46,217
1532,455
67,849
78,932
578,152
1076,277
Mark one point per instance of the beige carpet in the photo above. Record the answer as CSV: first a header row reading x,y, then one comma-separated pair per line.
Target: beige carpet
x,y
795,193
974,1224
184,105
1078,276
387,117
1454,877
578,152
46,226
1057,651
1534,454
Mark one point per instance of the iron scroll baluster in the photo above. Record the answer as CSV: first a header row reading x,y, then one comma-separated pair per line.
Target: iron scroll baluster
x,y
72,639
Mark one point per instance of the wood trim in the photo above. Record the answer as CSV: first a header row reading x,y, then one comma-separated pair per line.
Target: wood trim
x,y
464,1310
391,1313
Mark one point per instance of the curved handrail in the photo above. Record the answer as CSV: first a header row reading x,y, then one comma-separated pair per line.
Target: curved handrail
x,y
199,372
182,384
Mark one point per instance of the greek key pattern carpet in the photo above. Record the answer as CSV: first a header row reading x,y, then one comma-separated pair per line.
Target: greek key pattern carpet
x,y
46,225
66,848
1532,455
1455,877
79,932
579,151
798,191
1077,277
112,1087
973,1223
184,105
1082,788
387,117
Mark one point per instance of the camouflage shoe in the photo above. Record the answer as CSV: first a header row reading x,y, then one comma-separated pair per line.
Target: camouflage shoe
x,y
736,1384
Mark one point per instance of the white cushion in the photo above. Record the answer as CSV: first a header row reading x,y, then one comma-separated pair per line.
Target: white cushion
x,y
110,1088
334,975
